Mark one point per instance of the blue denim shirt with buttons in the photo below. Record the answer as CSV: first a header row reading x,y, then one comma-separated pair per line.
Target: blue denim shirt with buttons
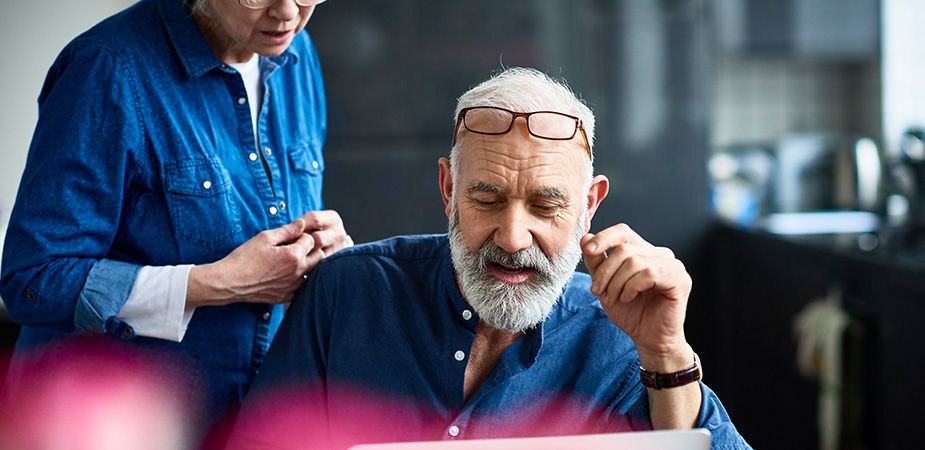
x,y
144,154
376,345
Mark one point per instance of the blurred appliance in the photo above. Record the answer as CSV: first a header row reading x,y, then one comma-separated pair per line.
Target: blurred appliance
x,y
912,148
823,172
741,177
906,203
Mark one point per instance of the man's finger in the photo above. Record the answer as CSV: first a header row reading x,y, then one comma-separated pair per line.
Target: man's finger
x,y
612,236
638,283
592,259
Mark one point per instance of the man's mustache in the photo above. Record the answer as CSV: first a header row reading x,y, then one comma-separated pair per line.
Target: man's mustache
x,y
529,258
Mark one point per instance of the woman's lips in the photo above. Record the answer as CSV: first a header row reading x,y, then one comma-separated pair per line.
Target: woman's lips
x,y
509,275
276,37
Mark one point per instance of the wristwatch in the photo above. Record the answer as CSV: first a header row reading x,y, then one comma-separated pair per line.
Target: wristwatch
x,y
657,380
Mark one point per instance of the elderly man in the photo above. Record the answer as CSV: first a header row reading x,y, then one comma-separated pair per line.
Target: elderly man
x,y
489,332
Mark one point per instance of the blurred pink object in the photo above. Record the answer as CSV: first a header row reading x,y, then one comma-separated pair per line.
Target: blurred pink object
x,y
94,395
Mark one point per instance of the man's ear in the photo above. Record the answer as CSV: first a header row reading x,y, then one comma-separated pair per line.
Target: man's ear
x,y
446,183
600,186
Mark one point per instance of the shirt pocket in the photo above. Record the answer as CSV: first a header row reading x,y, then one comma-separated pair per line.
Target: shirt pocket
x,y
201,201
306,158
307,167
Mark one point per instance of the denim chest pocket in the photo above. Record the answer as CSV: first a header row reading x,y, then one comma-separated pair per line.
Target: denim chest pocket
x,y
306,176
306,158
201,202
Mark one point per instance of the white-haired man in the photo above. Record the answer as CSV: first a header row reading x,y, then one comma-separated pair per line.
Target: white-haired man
x,y
489,331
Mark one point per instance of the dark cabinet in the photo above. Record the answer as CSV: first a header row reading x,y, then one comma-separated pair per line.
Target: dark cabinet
x,y
817,28
757,284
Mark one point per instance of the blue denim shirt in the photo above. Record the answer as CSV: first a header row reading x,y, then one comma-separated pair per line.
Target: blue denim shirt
x,y
375,348
144,154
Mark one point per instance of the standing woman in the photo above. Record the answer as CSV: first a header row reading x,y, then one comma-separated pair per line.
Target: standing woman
x,y
172,193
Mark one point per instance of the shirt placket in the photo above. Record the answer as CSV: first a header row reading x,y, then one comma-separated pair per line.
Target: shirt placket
x,y
509,365
458,355
259,152
262,338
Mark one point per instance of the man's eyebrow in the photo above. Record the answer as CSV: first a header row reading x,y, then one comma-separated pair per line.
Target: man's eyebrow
x,y
551,194
482,186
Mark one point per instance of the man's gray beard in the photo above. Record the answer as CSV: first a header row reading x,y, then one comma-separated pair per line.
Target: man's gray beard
x,y
512,307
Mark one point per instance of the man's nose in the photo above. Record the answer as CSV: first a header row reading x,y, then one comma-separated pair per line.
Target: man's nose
x,y
513,233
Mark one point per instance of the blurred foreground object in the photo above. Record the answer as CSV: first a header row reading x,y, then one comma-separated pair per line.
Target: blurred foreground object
x,y
94,396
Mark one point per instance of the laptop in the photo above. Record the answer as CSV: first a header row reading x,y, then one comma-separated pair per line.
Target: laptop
x,y
696,439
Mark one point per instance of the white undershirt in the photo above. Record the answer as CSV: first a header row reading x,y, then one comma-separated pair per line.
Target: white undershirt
x,y
250,73
156,307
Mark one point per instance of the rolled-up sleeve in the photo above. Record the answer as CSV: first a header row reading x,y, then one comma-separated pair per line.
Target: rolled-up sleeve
x,y
57,269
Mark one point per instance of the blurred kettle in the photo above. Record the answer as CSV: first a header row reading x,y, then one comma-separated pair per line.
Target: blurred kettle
x,y
826,171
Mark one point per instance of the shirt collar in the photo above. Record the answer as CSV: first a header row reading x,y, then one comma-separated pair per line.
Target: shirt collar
x,y
191,46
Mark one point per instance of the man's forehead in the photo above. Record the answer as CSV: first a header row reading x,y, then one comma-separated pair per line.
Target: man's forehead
x,y
509,148
526,170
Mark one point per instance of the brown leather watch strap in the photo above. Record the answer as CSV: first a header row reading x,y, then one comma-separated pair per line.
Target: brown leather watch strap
x,y
657,380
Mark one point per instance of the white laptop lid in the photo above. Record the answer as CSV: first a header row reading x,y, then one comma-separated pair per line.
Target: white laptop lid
x,y
697,439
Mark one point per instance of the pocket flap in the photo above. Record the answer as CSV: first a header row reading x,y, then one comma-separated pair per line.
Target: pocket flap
x,y
199,177
306,158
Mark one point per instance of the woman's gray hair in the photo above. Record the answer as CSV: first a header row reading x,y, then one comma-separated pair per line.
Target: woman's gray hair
x,y
525,90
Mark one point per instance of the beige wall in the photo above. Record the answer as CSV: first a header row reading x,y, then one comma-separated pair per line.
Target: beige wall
x,y
32,33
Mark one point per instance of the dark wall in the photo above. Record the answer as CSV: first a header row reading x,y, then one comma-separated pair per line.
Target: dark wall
x,y
394,69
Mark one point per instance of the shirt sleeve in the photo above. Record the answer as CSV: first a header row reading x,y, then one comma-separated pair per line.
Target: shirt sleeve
x,y
714,418
156,307
59,270
286,406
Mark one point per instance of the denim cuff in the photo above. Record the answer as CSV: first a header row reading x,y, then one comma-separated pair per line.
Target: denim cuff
x,y
108,286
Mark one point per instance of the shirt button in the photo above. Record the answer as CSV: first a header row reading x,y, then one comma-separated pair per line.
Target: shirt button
x,y
273,210
252,156
207,185
466,314
268,151
282,205
315,164
266,316
459,355
242,100
453,430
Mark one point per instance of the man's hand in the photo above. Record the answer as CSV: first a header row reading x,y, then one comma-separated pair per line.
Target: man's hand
x,y
644,291
270,266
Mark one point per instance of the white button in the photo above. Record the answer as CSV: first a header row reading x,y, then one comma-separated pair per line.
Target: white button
x,y
266,315
207,184
453,430
466,314
459,355
242,100
273,211
252,156
315,164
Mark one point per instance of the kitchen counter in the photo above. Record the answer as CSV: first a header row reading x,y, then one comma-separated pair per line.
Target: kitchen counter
x,y
755,286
